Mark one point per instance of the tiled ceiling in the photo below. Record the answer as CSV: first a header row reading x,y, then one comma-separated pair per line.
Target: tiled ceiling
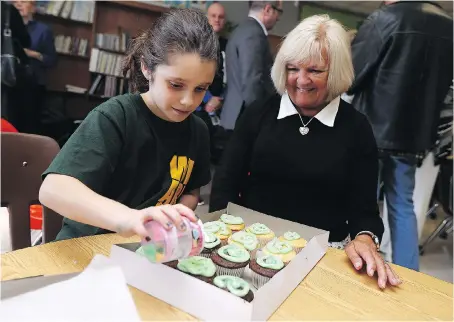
x,y
366,7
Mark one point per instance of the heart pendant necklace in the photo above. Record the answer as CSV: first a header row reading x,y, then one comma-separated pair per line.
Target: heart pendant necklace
x,y
304,129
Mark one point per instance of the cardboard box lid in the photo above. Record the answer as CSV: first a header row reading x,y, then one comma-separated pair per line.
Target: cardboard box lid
x,y
98,293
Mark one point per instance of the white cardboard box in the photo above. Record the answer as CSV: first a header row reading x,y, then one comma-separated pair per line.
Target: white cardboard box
x,y
207,302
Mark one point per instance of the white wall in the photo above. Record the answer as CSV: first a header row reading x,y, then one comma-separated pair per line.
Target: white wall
x,y
237,12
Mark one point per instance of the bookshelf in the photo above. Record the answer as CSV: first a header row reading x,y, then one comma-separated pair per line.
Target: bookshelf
x,y
86,20
106,26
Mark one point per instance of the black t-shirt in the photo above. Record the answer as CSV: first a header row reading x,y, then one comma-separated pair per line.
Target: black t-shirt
x,y
326,179
124,152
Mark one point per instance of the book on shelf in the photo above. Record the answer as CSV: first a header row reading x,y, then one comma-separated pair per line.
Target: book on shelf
x,y
108,86
74,10
75,89
106,63
71,45
115,42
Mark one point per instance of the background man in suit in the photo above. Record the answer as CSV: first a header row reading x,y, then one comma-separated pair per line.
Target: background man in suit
x,y
249,61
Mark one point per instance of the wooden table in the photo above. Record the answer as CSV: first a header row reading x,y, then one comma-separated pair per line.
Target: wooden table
x,y
331,291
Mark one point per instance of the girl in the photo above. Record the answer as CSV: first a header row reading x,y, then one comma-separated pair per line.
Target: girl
x,y
136,155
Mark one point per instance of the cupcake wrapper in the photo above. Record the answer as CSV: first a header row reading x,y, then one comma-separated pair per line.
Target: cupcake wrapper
x,y
237,272
298,249
258,280
206,255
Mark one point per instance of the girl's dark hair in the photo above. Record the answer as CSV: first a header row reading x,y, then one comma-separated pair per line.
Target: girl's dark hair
x,y
178,31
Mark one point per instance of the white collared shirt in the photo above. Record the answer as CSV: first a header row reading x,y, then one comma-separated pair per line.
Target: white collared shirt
x,y
327,116
260,23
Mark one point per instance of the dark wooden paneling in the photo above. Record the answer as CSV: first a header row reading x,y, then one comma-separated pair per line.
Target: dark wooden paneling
x,y
68,71
132,20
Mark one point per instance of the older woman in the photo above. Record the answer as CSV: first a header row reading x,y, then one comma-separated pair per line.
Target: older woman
x,y
306,155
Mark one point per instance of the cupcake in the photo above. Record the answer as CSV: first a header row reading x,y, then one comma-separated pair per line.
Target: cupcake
x,y
235,285
231,260
294,239
211,243
243,239
262,232
234,223
281,249
219,229
198,267
264,268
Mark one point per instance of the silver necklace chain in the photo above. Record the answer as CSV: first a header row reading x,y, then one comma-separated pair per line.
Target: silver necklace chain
x,y
304,129
305,125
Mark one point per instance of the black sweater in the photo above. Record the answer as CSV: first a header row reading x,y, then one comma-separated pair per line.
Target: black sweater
x,y
324,179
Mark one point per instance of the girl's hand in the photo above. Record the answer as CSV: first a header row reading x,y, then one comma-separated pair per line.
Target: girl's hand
x,y
167,215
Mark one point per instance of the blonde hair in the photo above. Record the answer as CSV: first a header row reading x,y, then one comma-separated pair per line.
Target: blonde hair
x,y
309,41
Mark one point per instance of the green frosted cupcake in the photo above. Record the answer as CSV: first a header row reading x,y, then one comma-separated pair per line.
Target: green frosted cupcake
x,y
262,232
218,228
198,267
235,285
211,243
264,268
234,223
231,260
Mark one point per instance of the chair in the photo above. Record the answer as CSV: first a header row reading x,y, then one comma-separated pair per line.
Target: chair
x,y
443,193
24,158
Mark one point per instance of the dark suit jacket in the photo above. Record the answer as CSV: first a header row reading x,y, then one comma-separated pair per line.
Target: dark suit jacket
x,y
248,66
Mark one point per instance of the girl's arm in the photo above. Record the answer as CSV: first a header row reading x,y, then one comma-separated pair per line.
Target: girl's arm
x,y
191,199
72,199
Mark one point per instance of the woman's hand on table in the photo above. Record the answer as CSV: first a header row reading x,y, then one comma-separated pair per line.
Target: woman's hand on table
x,y
168,216
363,250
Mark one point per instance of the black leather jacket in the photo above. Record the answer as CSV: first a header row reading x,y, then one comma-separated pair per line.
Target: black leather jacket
x,y
403,61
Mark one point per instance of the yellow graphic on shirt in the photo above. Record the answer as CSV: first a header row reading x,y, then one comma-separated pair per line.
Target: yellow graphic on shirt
x,y
180,172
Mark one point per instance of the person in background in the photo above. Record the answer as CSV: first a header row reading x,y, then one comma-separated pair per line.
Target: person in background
x,y
13,98
213,97
248,62
403,62
306,155
141,156
216,18
42,56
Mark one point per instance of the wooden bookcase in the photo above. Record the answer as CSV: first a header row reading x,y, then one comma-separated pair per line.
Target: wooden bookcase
x,y
72,69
